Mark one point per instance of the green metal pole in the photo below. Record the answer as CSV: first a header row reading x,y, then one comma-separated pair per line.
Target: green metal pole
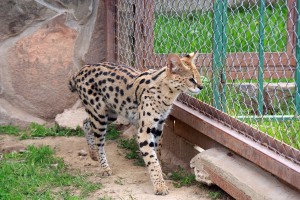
x,y
216,54
297,74
219,54
260,96
224,42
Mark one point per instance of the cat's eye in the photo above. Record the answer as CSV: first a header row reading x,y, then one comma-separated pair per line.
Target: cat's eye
x,y
193,80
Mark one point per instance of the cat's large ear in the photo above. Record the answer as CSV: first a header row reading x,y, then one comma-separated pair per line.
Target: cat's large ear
x,y
192,56
174,64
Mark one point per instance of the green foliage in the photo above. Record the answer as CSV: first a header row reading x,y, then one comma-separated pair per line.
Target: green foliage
x,y
112,133
37,130
187,32
215,194
182,178
286,131
10,130
38,174
132,150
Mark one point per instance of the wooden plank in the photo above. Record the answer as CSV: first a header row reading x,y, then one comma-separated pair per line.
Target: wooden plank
x,y
149,21
226,185
232,59
139,35
241,144
233,72
192,135
110,10
291,33
125,32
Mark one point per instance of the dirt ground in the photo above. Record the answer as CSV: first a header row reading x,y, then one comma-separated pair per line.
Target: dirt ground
x,y
127,182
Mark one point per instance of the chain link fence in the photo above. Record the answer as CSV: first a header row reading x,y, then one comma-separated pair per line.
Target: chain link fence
x,y
248,55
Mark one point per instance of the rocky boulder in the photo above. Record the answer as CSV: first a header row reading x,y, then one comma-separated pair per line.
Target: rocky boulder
x,y
16,16
277,96
40,65
43,43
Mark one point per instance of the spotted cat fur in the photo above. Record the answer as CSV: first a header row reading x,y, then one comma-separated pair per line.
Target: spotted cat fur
x,y
144,98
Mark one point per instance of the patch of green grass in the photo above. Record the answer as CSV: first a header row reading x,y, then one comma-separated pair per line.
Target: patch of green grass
x,y
132,150
38,174
286,131
10,130
38,130
182,178
236,105
269,80
112,133
215,194
187,32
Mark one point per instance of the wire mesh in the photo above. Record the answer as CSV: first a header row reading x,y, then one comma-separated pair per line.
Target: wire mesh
x,y
248,56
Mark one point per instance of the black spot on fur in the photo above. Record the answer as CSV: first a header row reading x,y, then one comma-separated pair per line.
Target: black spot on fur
x,y
157,75
122,92
151,144
116,100
85,102
142,81
142,144
145,154
148,130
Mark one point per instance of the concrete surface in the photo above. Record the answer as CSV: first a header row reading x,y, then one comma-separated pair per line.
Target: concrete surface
x,y
241,178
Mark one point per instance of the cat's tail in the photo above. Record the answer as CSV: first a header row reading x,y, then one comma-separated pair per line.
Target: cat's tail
x,y
72,84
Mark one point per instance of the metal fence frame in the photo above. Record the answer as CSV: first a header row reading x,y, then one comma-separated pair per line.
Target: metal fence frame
x,y
277,158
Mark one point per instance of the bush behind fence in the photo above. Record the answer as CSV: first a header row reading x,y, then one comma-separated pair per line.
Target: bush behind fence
x,y
247,51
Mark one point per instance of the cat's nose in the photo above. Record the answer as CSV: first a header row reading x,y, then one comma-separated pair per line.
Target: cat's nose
x,y
200,86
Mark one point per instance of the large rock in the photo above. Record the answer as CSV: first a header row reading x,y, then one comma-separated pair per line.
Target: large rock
x,y
96,53
43,43
82,9
277,96
16,16
40,66
71,118
12,115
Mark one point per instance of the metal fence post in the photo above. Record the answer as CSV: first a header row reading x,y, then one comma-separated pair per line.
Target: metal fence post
x,y
260,96
297,74
219,54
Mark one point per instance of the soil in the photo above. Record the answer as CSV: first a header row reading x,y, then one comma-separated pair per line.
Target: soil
x,y
127,182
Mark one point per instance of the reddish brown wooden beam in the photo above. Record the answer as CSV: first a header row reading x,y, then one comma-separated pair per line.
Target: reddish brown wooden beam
x,y
233,59
110,9
281,167
291,32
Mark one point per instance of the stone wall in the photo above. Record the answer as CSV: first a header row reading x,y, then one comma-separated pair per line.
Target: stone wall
x,y
42,43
